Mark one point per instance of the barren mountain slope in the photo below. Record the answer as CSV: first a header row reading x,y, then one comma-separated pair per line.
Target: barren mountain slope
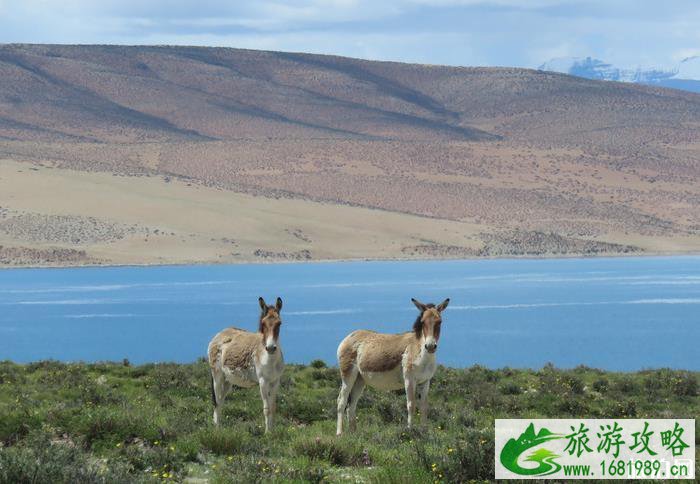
x,y
538,162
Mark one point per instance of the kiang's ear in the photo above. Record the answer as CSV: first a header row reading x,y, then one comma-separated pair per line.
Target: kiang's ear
x,y
421,307
278,304
443,305
263,305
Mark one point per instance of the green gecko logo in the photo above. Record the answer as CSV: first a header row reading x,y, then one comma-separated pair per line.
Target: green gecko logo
x,y
545,458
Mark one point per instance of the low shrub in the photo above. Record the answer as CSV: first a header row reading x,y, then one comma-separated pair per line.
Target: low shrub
x,y
511,388
326,375
318,364
103,426
686,385
391,410
17,423
246,469
601,385
149,457
223,440
38,460
337,452
626,385
111,423
306,409
467,459
400,475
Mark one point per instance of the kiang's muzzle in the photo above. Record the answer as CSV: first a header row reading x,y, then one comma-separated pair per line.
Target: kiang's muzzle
x,y
270,346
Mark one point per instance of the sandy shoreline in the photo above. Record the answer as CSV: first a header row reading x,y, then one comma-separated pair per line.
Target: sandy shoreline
x,y
99,219
658,255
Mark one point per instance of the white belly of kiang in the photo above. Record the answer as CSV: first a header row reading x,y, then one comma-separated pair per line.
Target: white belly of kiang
x,y
424,370
241,378
384,380
271,367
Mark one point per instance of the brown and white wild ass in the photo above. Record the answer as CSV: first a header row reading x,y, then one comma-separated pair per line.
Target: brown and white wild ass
x,y
390,362
246,359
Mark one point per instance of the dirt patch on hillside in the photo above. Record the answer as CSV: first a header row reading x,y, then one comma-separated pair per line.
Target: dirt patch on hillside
x,y
64,229
21,256
517,242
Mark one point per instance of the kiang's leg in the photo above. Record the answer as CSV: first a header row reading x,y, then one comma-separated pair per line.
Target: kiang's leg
x,y
355,394
422,393
348,381
410,386
273,399
265,394
220,388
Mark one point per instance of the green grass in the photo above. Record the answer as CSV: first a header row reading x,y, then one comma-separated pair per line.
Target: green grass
x,y
117,423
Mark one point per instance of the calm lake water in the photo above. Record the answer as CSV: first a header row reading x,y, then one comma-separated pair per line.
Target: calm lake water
x,y
619,313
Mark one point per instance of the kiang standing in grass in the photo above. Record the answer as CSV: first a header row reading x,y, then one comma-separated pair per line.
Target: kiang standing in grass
x,y
390,362
245,359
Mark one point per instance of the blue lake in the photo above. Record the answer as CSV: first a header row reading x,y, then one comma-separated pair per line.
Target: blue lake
x,y
610,313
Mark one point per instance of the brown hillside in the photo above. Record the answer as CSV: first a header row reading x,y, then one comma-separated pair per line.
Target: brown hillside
x,y
538,162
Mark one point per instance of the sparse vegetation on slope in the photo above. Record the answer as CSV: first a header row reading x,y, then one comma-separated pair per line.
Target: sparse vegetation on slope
x,y
117,423
605,167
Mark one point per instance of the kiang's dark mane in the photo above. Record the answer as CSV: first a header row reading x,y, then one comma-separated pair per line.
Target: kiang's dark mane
x,y
418,325
262,315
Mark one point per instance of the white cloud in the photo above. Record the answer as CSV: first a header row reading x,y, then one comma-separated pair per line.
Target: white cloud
x,y
460,32
500,3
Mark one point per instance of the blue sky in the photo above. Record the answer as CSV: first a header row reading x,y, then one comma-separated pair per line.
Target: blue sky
x,y
628,33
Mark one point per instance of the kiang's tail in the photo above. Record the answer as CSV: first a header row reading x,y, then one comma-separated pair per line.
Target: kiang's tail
x,y
213,393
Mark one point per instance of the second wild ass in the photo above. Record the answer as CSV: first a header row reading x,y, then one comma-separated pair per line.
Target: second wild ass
x,y
245,359
390,362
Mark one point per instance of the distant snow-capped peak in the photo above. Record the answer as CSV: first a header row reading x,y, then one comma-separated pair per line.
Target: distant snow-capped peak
x,y
687,69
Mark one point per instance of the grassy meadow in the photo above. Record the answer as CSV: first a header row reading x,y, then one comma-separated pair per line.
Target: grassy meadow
x,y
114,422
